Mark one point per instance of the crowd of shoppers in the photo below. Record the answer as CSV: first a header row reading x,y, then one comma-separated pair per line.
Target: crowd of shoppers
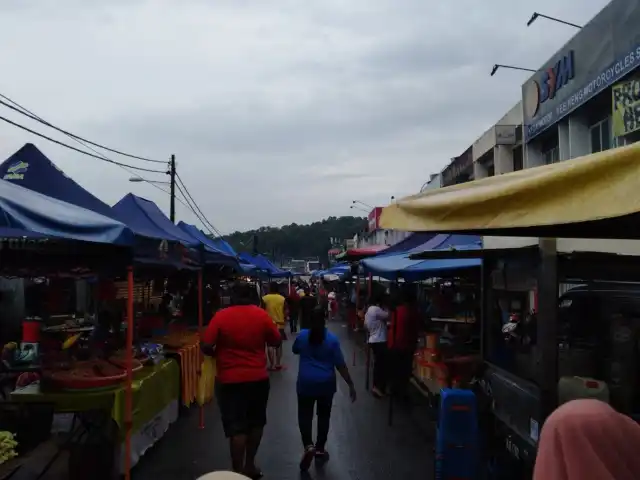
x,y
247,340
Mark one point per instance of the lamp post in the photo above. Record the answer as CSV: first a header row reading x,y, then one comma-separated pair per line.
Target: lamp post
x,y
356,202
510,67
355,207
172,186
537,15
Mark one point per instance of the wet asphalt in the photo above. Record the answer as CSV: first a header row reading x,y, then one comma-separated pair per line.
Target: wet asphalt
x,y
362,444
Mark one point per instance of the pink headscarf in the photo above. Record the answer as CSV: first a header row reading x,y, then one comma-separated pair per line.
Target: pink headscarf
x,y
588,439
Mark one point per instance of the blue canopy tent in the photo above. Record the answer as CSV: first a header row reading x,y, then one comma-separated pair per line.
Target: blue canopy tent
x,y
25,213
399,265
30,168
212,254
412,242
223,246
142,215
263,265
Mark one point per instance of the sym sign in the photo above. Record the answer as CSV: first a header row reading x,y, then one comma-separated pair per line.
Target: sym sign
x,y
549,82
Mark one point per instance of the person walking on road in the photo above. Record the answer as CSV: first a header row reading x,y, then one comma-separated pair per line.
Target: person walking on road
x,y
320,357
308,303
375,321
237,336
402,342
293,302
275,305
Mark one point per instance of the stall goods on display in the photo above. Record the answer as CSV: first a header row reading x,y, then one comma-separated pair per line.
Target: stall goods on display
x,y
91,374
8,446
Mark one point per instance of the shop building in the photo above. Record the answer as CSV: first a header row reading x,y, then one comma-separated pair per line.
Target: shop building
x,y
586,98
499,150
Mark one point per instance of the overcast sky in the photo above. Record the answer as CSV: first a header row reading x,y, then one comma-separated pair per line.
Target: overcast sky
x,y
278,111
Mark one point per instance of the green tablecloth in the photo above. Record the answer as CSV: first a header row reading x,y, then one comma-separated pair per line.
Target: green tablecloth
x,y
153,389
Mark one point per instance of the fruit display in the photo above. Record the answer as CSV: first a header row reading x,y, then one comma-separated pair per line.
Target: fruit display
x,y
89,374
8,446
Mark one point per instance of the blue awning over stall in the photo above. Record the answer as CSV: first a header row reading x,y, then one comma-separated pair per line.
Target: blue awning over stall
x,y
23,211
212,253
401,266
146,219
264,265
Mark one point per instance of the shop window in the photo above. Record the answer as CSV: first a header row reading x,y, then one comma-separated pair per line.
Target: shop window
x,y
552,155
517,159
601,136
633,137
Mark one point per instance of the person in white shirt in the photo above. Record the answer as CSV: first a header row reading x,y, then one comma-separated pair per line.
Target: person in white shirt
x,y
375,321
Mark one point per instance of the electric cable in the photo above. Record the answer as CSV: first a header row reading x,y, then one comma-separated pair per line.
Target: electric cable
x,y
26,112
66,145
186,193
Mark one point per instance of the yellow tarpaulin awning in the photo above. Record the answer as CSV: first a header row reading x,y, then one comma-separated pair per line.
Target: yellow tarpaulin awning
x,y
595,196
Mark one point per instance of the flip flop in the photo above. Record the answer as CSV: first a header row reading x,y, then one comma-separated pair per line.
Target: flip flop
x,y
255,475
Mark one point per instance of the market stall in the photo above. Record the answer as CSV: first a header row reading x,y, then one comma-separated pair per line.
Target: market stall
x,y
448,293
592,197
52,237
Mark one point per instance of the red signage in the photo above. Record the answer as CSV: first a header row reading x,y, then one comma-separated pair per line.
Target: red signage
x,y
374,219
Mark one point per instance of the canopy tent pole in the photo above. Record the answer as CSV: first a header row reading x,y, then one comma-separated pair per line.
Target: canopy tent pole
x,y
128,395
201,334
357,320
394,321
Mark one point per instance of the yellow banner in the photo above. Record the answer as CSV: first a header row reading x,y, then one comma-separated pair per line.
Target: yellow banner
x,y
626,107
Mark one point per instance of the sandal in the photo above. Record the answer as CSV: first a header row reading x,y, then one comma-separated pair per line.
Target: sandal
x,y
256,475
307,457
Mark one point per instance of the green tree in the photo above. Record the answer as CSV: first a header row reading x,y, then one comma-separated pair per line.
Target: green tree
x,y
298,241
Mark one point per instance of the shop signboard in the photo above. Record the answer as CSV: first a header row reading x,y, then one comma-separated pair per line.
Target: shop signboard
x,y
505,134
626,107
599,55
374,219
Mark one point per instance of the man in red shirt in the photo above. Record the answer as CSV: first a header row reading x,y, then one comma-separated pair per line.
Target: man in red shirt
x,y
237,336
401,341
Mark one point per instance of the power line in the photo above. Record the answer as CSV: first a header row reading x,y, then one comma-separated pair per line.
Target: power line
x,y
66,145
100,156
199,216
186,193
26,112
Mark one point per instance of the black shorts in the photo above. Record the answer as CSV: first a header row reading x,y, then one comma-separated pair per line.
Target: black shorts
x,y
283,333
243,406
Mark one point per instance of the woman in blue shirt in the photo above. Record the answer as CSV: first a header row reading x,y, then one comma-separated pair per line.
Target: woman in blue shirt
x,y
320,357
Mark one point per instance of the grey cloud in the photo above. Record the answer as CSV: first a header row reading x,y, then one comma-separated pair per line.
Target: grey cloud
x,y
273,106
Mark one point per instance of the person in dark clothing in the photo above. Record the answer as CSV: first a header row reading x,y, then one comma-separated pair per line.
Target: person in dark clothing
x,y
293,303
401,342
307,303
320,357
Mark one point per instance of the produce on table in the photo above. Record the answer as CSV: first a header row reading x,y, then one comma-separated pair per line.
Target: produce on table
x,y
8,446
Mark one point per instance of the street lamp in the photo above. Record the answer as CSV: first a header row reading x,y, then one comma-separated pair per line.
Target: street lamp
x,y
362,203
355,207
537,15
145,180
172,186
511,67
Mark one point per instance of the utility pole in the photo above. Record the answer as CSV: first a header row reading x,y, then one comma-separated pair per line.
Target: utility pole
x,y
172,188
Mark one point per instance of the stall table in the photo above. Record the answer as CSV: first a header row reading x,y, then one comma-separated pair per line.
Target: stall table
x,y
156,390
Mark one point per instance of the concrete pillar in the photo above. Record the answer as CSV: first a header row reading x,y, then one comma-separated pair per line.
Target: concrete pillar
x,y
479,171
503,159
533,155
579,137
563,141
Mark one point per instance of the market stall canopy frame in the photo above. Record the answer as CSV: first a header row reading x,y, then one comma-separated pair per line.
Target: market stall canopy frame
x,y
595,196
